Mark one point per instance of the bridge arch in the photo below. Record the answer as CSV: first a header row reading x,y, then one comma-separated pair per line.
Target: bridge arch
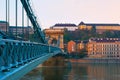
x,y
53,35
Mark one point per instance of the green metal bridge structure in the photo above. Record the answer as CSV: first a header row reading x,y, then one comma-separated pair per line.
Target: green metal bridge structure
x,y
18,57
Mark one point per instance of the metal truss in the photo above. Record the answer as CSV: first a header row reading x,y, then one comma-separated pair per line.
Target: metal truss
x,y
14,53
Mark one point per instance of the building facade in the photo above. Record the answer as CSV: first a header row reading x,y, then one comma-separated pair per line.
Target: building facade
x,y
81,46
104,48
4,26
69,27
71,47
76,46
100,28
20,30
83,26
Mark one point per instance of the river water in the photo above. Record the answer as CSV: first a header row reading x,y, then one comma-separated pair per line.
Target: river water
x,y
77,71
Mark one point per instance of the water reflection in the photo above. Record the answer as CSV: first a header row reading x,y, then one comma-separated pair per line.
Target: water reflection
x,y
76,72
55,73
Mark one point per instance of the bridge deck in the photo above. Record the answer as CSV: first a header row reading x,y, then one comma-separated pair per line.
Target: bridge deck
x,y
17,73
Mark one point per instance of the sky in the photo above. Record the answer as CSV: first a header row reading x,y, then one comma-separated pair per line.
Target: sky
x,y
50,12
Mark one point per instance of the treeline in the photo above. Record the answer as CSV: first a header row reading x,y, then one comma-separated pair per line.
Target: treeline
x,y
86,34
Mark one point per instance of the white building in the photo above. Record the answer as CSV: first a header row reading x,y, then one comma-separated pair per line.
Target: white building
x,y
69,27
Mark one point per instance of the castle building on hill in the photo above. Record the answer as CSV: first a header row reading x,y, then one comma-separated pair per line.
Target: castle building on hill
x,y
68,26
99,27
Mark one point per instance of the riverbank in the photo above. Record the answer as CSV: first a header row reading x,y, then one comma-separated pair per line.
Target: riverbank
x,y
92,60
55,61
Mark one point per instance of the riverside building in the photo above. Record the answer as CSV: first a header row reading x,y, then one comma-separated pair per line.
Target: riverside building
x,y
71,47
104,48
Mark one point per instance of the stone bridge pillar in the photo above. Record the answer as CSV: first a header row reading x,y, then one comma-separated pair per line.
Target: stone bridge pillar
x,y
53,35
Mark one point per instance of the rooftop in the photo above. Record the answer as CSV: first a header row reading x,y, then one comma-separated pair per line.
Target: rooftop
x,y
98,24
105,39
79,41
67,24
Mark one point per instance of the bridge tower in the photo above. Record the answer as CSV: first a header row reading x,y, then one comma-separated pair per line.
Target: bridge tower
x,y
55,35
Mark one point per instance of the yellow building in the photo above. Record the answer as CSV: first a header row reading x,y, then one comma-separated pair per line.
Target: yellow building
x,y
104,47
83,26
81,45
100,28
112,27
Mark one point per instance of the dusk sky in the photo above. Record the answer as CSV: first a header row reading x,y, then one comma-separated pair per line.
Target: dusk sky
x,y
51,12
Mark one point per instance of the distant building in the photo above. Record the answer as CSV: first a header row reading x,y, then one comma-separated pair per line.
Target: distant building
x,y
100,28
69,27
104,47
83,26
76,46
20,30
4,26
71,47
81,45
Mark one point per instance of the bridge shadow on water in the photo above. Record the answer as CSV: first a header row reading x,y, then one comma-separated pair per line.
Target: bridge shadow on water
x,y
57,60
77,71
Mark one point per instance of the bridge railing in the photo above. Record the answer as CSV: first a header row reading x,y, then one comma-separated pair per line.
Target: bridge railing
x,y
14,53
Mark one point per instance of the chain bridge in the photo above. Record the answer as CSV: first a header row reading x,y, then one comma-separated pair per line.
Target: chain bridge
x,y
18,56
